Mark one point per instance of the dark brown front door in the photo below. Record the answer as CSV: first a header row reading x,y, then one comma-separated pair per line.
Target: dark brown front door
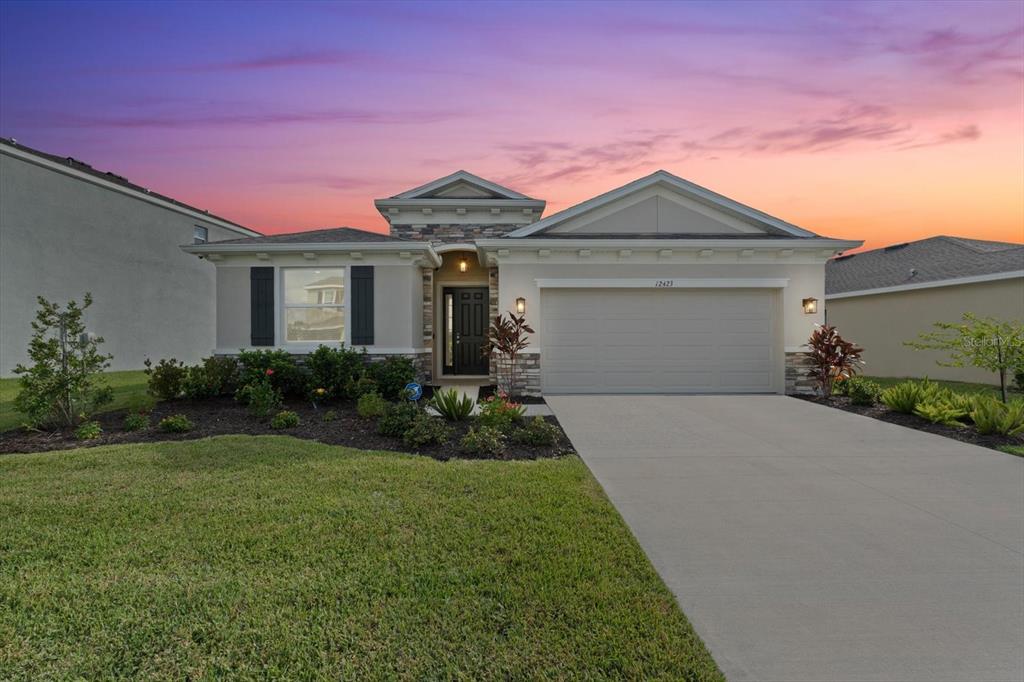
x,y
465,330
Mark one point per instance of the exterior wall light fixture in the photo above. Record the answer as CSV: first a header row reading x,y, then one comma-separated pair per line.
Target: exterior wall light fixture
x,y
810,306
521,305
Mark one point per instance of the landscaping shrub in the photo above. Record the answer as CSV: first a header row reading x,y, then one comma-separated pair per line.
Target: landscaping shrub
x,y
329,416
907,395
537,431
195,384
498,412
88,430
371,406
286,376
397,419
260,396
862,391
223,374
507,337
426,430
485,440
940,411
64,384
452,405
165,379
335,369
993,416
176,423
285,419
391,374
833,358
1018,379
360,387
136,421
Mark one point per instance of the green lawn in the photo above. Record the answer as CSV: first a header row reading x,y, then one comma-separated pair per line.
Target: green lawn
x,y
1013,449
271,557
958,386
129,391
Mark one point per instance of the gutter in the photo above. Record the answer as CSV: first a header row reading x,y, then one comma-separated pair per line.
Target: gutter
x,y
307,247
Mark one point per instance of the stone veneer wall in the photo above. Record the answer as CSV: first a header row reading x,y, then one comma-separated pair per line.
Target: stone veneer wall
x,y
451,234
427,358
527,375
492,312
798,369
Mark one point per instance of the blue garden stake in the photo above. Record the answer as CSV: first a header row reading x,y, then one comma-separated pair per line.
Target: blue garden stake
x,y
414,390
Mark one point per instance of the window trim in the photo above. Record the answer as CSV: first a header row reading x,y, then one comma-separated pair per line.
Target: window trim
x,y
281,307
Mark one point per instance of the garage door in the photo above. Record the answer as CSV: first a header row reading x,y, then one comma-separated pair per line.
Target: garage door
x,y
658,341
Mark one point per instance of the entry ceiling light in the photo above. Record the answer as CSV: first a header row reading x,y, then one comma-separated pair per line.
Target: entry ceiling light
x,y
463,264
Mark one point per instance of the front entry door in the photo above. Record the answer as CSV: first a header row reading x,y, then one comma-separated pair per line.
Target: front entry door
x,y
466,330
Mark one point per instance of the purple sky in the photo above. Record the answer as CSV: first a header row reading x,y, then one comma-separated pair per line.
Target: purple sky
x,y
883,121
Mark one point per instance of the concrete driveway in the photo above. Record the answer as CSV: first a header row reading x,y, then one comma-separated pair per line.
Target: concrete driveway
x,y
806,543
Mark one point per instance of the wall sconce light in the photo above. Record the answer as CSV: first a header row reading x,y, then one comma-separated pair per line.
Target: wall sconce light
x,y
463,265
810,306
521,305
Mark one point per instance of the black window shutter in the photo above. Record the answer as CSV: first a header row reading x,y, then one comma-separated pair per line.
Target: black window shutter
x,y
362,305
261,288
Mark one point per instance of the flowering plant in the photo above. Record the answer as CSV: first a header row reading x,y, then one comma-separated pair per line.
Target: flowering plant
x,y
499,412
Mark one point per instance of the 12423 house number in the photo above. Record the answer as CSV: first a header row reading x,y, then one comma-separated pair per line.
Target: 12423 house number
x,y
664,283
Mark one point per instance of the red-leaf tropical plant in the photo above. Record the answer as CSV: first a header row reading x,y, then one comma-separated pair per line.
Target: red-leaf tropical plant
x,y
833,358
507,338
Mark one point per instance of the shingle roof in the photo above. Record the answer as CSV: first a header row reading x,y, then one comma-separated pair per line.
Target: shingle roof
x,y
114,178
660,235
334,235
928,260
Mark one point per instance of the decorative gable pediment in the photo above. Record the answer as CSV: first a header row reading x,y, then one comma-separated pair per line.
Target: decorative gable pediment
x,y
661,205
461,199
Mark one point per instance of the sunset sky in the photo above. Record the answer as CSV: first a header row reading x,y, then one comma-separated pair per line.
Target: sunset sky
x,y
885,122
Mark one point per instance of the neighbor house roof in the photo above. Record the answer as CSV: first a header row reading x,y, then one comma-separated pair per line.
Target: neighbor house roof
x,y
925,262
74,164
332,235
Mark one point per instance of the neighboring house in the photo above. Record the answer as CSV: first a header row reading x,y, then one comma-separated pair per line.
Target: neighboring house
x,y
882,298
659,286
67,228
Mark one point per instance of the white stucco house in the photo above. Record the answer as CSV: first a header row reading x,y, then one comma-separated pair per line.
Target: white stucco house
x,y
659,286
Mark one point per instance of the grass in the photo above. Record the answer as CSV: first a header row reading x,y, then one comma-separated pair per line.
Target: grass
x,y
1013,449
129,392
956,386
271,557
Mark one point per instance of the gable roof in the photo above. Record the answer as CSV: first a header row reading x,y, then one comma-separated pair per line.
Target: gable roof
x,y
770,224
332,235
932,260
82,167
431,189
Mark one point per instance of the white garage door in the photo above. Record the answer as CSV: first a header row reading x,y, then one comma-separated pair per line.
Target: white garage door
x,y
658,341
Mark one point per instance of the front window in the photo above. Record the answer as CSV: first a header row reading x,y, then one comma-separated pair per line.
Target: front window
x,y
313,304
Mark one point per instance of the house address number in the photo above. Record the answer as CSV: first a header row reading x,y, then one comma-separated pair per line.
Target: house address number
x,y
664,283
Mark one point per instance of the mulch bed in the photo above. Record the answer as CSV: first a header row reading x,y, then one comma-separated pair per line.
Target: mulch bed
x,y
487,391
223,416
966,434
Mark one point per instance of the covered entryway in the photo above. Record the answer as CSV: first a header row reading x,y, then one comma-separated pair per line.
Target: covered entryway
x,y
655,340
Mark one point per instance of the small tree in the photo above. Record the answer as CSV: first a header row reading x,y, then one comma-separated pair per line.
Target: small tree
x,y
507,337
983,342
62,387
832,357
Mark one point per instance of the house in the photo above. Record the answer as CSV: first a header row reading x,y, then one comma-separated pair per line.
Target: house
x,y
67,228
659,286
885,297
